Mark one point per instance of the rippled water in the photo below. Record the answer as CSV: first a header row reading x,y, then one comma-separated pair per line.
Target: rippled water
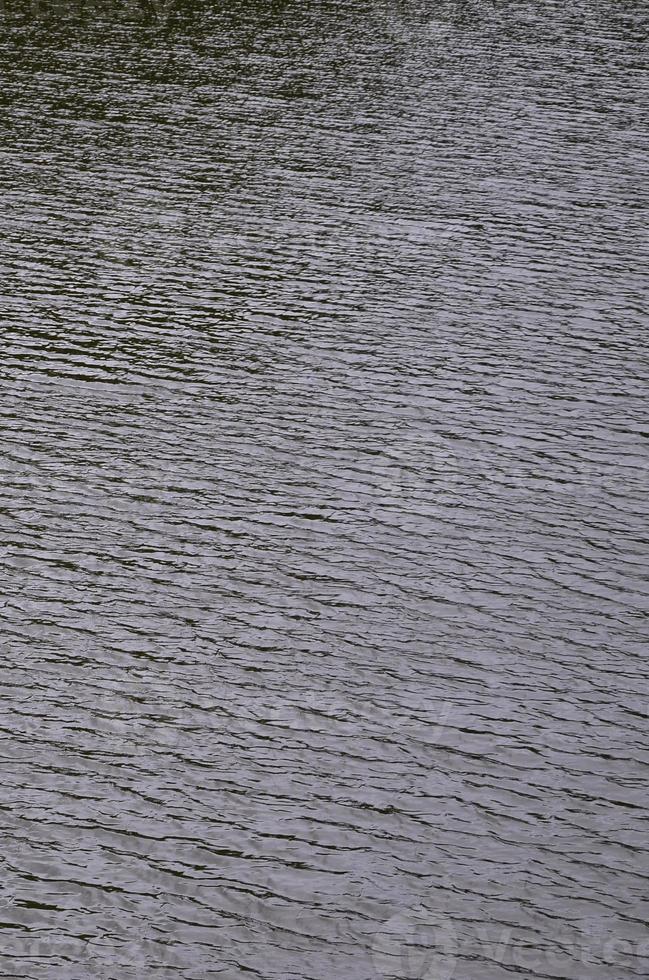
x,y
323,504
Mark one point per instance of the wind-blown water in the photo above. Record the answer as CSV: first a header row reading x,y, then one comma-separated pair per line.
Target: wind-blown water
x,y
323,505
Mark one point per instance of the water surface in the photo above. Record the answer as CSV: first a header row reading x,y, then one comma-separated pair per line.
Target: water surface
x,y
323,504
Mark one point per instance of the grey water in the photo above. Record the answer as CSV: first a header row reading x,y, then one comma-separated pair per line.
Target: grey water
x,y
323,490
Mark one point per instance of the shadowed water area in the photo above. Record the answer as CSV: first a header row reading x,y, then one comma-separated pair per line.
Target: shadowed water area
x,y
323,497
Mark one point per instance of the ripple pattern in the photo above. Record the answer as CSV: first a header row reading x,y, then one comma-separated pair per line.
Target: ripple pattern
x,y
323,497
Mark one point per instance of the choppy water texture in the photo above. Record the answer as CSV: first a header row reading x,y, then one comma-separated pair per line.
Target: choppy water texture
x,y
323,503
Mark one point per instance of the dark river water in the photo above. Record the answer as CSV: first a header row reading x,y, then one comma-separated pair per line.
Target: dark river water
x,y
323,498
